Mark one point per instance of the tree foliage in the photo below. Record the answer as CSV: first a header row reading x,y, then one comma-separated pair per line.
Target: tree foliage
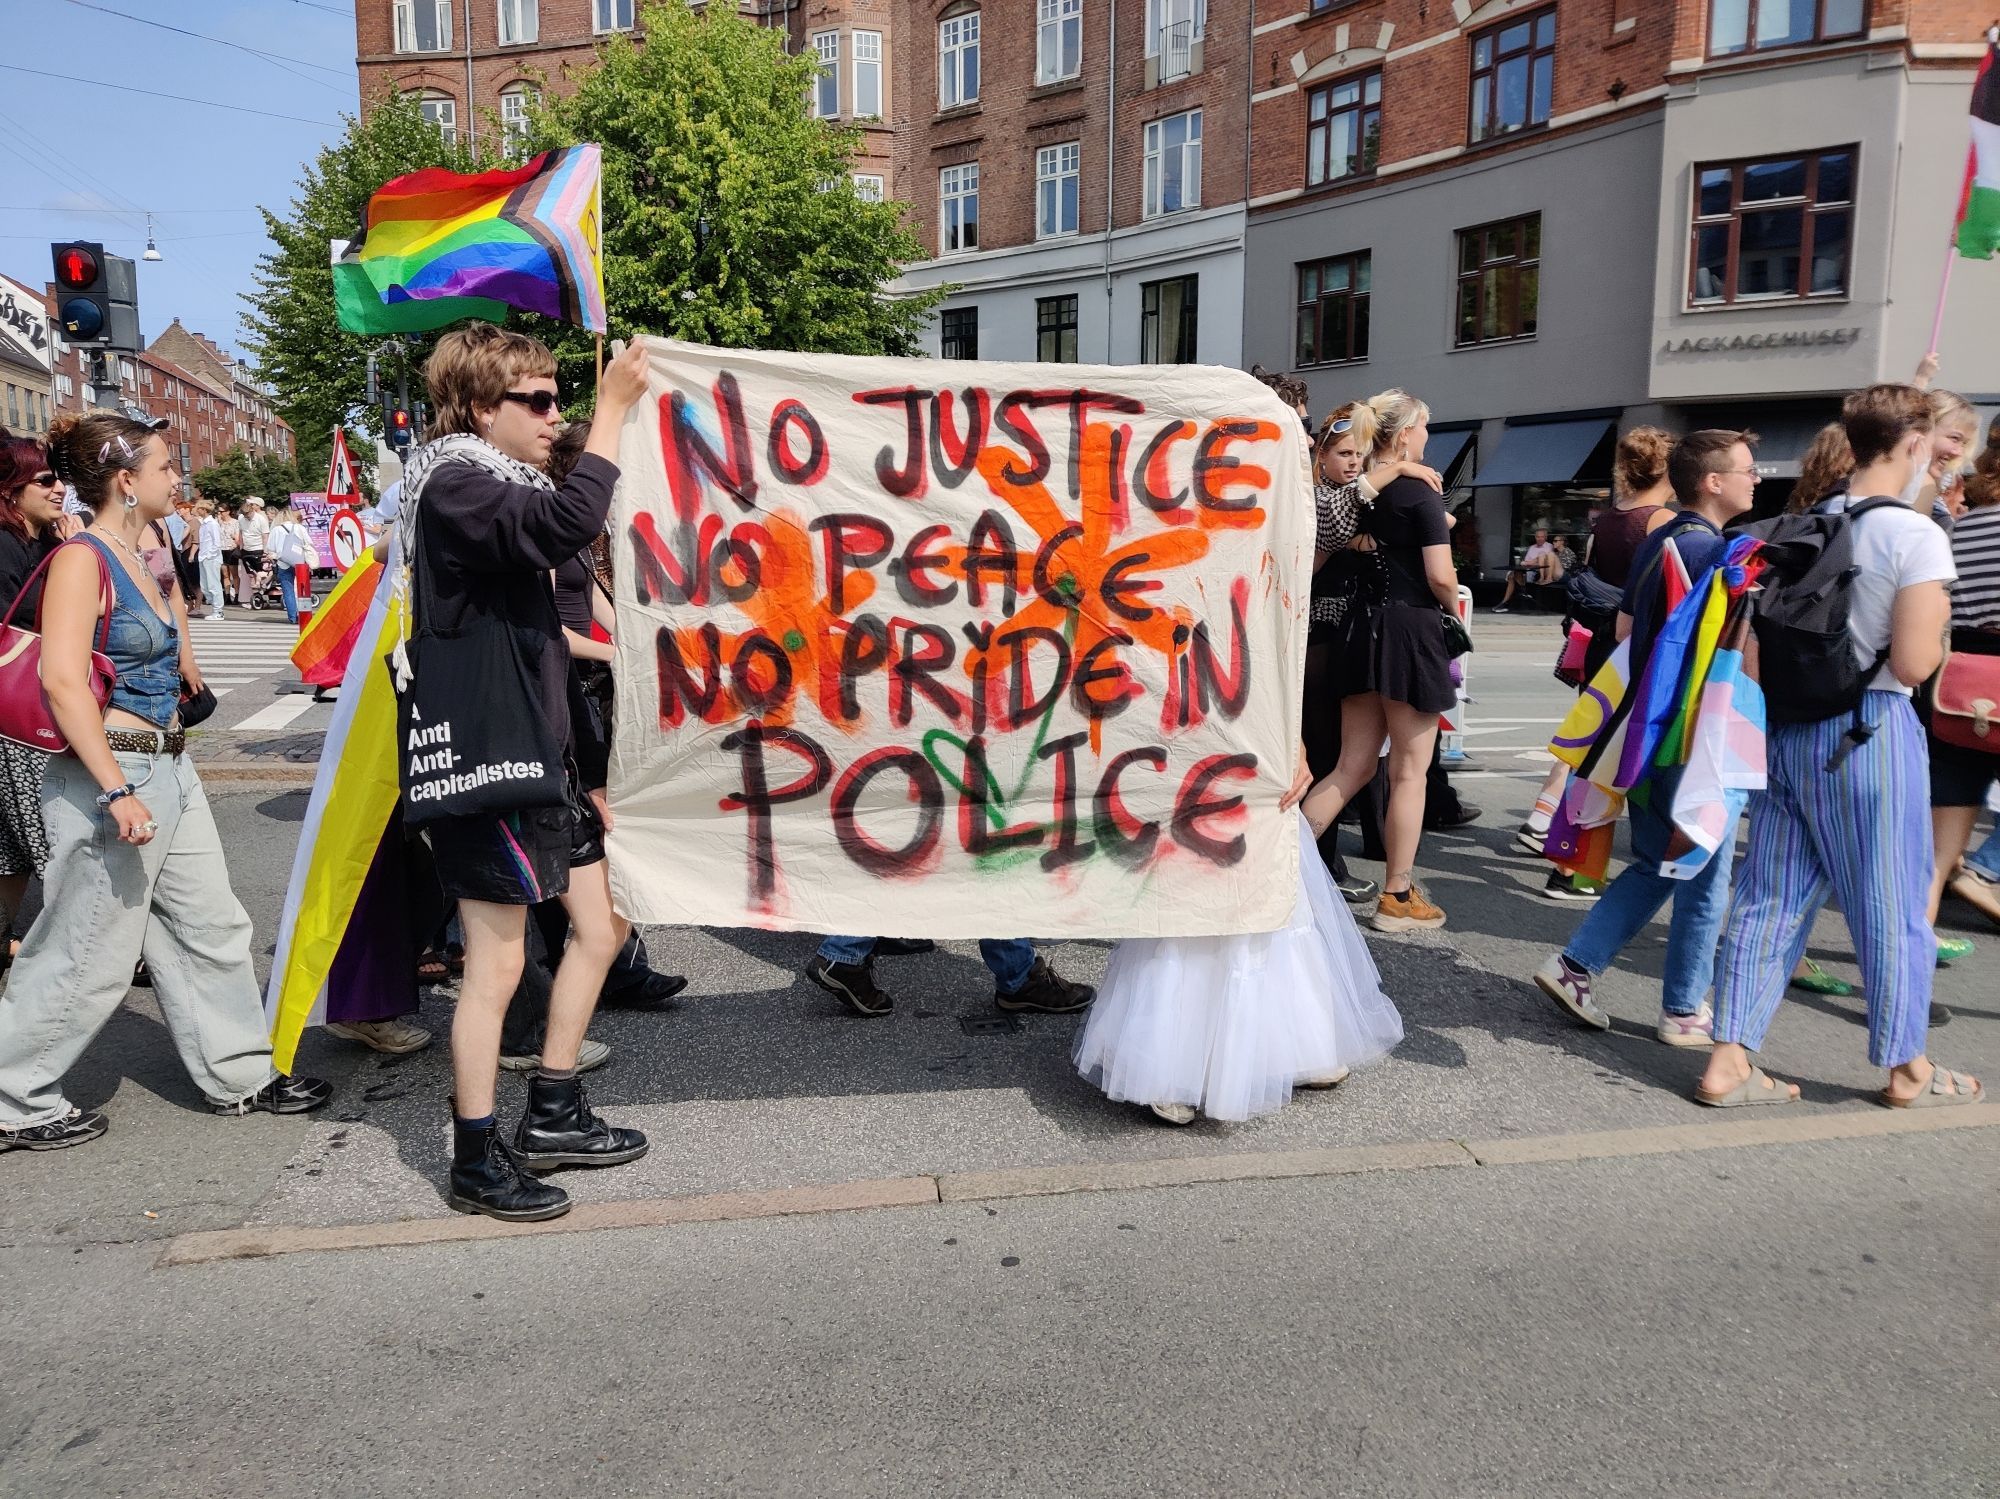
x,y
729,218
236,475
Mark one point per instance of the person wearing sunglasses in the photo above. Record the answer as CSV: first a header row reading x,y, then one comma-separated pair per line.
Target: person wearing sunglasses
x,y
31,500
484,526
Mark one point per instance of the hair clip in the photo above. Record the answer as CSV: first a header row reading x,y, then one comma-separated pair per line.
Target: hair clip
x,y
123,447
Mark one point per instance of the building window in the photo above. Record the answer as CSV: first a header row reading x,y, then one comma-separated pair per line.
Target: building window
x,y
1755,25
520,22
423,25
958,200
1058,40
1055,329
1172,29
1499,280
1776,227
1343,128
1056,190
960,333
1333,309
1173,163
826,87
958,60
514,105
442,113
868,75
1167,321
868,187
1513,75
612,15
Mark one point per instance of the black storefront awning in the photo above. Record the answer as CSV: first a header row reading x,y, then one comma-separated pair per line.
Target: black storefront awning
x,y
1543,453
1446,451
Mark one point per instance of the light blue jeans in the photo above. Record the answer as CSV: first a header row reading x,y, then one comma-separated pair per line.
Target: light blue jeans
x,y
1010,958
1987,856
211,582
1635,897
106,903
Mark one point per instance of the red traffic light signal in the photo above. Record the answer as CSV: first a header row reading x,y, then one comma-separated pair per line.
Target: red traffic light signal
x,y
400,419
401,432
76,268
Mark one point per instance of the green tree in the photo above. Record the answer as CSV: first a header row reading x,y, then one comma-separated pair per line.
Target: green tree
x,y
228,479
317,369
730,217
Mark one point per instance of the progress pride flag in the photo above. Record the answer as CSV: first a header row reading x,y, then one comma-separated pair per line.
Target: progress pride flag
x,y
917,648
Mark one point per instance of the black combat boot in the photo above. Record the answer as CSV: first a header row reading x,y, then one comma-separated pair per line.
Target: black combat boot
x,y
559,1129
486,1178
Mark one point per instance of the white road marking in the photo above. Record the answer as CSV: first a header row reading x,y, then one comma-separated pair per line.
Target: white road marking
x,y
278,714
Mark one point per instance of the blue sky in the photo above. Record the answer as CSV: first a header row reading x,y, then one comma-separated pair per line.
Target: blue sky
x,y
88,162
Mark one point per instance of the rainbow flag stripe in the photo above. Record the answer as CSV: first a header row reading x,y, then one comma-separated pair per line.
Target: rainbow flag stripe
x,y
439,246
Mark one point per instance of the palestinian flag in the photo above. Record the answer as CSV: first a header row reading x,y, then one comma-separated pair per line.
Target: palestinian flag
x,y
1979,206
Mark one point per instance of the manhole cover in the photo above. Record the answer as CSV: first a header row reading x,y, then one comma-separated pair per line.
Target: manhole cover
x,y
988,1025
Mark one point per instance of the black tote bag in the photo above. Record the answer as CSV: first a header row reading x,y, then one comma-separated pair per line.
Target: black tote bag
x,y
473,741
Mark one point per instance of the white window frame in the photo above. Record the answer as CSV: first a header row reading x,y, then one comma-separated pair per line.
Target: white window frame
x,y
406,13
1055,166
1161,14
1058,40
826,85
870,187
1157,149
515,101
958,46
442,111
520,22
957,186
867,66
604,15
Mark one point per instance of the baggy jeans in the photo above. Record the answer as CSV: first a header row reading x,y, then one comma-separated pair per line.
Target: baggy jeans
x,y
1009,959
105,904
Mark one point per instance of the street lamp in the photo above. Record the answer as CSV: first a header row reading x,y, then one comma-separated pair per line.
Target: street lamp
x,y
152,247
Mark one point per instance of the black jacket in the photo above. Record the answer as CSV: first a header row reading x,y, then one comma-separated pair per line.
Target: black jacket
x,y
18,558
486,548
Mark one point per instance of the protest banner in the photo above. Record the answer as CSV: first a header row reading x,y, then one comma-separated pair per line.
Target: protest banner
x,y
957,650
316,515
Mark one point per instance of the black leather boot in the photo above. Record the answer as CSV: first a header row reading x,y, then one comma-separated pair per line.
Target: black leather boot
x,y
486,1178
559,1129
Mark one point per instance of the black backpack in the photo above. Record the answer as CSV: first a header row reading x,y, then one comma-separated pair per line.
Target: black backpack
x,y
1800,614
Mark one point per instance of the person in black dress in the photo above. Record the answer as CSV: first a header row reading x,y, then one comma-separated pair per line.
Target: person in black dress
x,y
1392,668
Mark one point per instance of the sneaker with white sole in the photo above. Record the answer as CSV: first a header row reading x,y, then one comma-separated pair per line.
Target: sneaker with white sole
x,y
1528,841
1173,1113
590,1055
1697,1029
1320,1080
1405,911
395,1037
1566,887
1569,987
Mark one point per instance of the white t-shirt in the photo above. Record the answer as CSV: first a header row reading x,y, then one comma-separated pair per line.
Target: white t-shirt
x,y
1894,548
253,530
208,541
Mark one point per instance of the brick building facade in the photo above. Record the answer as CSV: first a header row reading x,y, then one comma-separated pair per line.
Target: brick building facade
x,y
1557,219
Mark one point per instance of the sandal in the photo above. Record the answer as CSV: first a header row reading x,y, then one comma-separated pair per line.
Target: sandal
x,y
1940,1093
431,968
1758,1088
1816,980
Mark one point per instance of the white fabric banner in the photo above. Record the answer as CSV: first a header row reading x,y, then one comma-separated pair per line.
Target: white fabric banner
x,y
916,648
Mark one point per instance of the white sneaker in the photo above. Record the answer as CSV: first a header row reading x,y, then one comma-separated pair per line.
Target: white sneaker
x,y
396,1037
1570,988
1173,1113
1697,1029
212,617
589,1056
1331,1079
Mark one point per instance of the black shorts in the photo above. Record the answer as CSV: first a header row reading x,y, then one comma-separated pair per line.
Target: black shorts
x,y
516,858
1961,777
231,556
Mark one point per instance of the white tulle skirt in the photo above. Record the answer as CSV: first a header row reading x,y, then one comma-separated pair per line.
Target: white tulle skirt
x,y
1230,1025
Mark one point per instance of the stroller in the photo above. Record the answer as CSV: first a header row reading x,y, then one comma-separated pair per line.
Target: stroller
x,y
264,587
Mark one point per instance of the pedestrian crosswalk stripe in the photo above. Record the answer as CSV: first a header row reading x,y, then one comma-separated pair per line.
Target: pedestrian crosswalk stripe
x,y
278,714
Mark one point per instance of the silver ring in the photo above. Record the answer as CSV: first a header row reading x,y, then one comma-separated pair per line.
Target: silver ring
x,y
149,827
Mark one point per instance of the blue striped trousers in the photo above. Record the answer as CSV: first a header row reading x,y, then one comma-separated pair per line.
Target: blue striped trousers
x,y
1862,834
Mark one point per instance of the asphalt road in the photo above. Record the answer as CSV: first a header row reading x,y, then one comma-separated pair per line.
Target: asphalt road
x,y
1604,1297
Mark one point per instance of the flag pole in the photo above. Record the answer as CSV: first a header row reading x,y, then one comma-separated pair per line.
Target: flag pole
x,y
600,350
1944,290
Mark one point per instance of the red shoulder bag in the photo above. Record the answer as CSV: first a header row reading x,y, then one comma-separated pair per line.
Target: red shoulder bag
x,y
25,718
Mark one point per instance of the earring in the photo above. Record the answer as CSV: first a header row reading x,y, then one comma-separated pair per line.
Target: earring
x,y
131,501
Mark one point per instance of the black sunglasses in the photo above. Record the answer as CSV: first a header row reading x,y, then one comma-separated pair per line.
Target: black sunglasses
x,y
541,402
46,478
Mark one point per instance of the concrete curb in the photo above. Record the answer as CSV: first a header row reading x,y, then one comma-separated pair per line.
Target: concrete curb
x,y
1112,1176
263,775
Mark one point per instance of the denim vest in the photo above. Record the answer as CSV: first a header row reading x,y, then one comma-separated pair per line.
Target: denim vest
x,y
144,649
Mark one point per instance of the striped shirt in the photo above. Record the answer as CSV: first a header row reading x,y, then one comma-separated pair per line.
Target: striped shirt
x,y
1975,549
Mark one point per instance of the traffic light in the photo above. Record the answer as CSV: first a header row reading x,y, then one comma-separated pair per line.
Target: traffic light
x,y
400,431
97,297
